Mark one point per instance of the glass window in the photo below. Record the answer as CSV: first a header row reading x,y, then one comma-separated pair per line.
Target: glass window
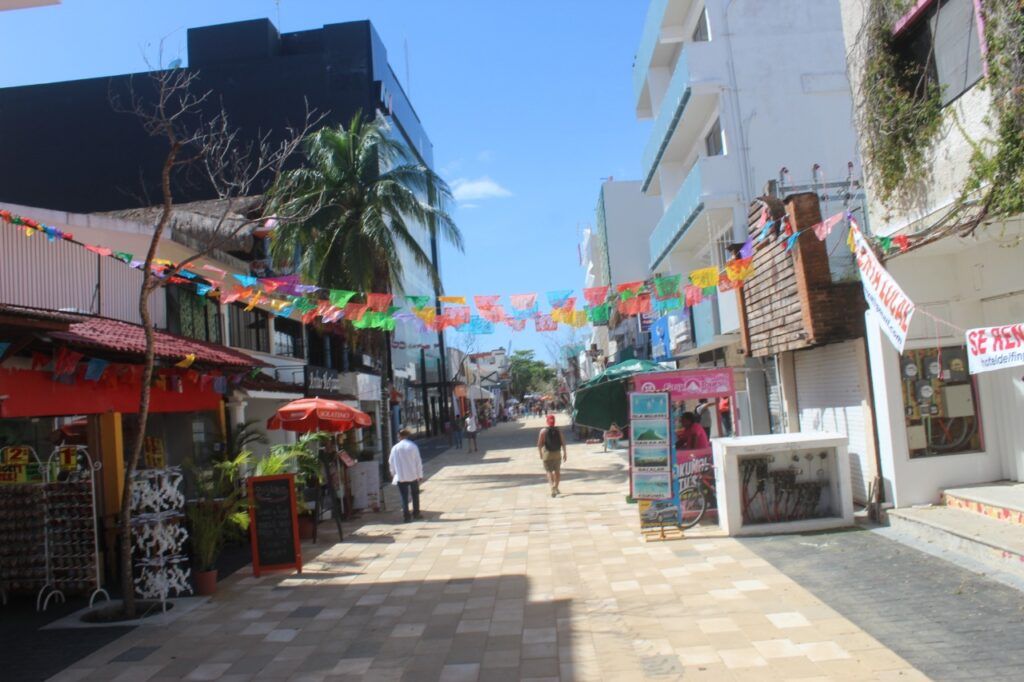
x,y
942,46
940,402
714,141
288,338
249,328
701,33
192,315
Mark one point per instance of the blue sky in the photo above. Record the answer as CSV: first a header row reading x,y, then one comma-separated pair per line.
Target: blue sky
x,y
528,103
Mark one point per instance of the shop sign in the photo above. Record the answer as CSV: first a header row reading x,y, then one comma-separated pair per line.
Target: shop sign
x,y
153,451
992,348
12,473
885,297
67,455
688,384
320,381
14,461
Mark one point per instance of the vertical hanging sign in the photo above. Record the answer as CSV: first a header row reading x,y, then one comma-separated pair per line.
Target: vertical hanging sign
x,y
650,462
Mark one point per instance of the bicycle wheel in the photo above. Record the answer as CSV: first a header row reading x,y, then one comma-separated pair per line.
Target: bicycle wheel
x,y
692,505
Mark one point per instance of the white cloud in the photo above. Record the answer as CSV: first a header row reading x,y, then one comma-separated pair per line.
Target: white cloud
x,y
469,205
465,189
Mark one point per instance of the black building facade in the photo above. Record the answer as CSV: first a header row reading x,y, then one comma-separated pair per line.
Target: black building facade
x,y
66,147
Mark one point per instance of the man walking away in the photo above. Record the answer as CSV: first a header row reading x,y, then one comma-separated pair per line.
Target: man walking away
x,y
551,444
471,429
457,432
407,471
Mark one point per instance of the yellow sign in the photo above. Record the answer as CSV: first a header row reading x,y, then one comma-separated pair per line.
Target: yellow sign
x,y
12,473
68,456
16,454
153,450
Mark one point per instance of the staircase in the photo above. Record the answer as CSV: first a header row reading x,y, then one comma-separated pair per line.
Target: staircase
x,y
984,524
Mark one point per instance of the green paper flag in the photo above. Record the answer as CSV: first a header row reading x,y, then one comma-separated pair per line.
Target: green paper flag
x,y
123,256
340,297
598,314
886,243
418,301
303,304
664,287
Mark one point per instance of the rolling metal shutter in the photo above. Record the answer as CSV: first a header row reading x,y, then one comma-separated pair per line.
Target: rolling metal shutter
x,y
832,397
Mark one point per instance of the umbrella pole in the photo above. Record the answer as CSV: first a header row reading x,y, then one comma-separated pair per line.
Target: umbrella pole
x,y
332,490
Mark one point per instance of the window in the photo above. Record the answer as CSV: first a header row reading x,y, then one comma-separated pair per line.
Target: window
x,y
249,329
701,32
940,402
192,315
288,338
714,141
941,46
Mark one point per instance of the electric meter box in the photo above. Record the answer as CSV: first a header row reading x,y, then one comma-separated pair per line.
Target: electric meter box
x,y
783,483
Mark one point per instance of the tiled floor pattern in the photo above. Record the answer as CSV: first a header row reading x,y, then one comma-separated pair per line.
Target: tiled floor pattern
x,y
502,582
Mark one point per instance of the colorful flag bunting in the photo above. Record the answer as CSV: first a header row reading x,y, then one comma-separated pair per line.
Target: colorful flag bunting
x,y
557,299
599,314
747,250
418,301
667,287
186,362
739,269
704,278
95,368
516,325
665,305
629,290
355,311
378,302
99,250
544,323
791,242
485,302
822,229
694,295
341,297
596,295
246,280
459,300
523,301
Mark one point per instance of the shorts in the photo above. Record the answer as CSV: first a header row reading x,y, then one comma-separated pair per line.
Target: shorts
x,y
552,462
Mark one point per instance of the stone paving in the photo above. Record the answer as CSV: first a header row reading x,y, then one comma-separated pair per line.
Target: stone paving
x,y
502,582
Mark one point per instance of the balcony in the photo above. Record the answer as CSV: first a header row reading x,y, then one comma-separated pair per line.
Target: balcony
x,y
648,42
689,102
711,185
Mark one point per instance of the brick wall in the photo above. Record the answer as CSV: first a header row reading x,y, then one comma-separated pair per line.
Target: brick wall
x,y
790,301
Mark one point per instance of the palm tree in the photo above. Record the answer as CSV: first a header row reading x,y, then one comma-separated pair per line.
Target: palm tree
x,y
364,196
367,195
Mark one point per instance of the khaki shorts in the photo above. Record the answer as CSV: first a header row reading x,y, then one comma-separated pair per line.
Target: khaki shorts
x,y
552,461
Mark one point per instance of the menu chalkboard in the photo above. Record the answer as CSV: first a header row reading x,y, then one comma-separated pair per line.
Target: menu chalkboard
x,y
274,524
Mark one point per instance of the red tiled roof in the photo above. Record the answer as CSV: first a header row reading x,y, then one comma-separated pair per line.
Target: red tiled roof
x,y
100,333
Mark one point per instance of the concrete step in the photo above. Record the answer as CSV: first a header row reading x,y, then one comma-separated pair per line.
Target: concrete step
x,y
1003,501
996,545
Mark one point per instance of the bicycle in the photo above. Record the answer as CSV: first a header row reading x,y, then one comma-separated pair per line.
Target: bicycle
x,y
694,499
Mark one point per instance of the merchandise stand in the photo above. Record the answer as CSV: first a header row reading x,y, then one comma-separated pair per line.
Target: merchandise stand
x,y
72,545
23,550
159,534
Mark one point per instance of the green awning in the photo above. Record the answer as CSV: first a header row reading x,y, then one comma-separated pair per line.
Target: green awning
x,y
602,400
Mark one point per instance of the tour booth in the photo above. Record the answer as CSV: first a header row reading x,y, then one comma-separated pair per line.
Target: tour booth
x,y
692,469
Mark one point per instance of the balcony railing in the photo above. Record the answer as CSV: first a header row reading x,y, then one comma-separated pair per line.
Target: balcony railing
x,y
672,107
648,42
677,219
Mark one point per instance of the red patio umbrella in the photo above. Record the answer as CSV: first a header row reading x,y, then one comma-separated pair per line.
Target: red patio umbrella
x,y
317,414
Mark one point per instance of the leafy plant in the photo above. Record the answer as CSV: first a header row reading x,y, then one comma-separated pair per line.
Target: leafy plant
x,y
213,513
245,435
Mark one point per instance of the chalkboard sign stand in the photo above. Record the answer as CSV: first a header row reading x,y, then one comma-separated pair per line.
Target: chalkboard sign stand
x,y
267,502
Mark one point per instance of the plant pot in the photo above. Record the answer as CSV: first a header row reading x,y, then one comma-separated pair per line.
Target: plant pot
x,y
306,527
206,583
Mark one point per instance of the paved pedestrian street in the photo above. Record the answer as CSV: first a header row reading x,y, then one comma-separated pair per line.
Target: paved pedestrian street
x,y
502,582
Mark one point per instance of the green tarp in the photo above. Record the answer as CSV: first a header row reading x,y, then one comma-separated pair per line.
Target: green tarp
x,y
602,400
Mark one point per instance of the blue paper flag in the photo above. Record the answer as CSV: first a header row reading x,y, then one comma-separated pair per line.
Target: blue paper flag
x,y
188,274
203,289
95,368
558,299
478,325
791,242
285,311
765,230
3,348
246,280
525,314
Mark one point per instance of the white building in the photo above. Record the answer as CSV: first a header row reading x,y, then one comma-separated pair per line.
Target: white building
x,y
938,426
737,89
618,255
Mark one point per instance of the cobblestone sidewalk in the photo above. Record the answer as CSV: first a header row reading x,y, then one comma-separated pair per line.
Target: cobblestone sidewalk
x,y
502,582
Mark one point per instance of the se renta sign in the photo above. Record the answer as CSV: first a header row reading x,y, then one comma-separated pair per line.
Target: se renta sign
x,y
893,307
992,348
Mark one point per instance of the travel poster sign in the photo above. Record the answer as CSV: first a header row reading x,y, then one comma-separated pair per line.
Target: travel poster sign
x,y
650,446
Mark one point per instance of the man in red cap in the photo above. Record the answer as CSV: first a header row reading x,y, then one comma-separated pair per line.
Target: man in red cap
x,y
551,446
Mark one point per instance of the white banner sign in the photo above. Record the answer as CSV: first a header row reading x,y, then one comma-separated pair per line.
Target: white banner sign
x,y
893,307
991,348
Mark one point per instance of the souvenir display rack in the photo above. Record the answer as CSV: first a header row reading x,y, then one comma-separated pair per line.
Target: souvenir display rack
x,y
22,523
72,547
159,534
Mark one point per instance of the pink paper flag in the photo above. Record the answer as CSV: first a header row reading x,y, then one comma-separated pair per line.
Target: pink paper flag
x,y
825,226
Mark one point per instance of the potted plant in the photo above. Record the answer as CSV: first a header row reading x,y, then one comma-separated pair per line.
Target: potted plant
x,y
218,506
304,454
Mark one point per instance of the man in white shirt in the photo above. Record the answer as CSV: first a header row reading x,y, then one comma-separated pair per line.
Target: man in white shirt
x,y
471,429
407,472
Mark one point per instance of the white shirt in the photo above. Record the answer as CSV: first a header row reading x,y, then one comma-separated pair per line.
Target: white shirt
x,y
470,425
405,462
